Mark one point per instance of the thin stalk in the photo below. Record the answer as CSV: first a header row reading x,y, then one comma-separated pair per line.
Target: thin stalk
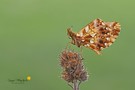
x,y
75,85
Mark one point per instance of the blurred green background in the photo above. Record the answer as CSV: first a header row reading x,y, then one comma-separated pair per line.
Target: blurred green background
x,y
33,34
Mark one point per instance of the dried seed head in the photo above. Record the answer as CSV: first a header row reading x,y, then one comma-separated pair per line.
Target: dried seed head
x,y
72,65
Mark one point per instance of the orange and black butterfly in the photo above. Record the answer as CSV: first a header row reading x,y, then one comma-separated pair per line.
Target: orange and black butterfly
x,y
97,35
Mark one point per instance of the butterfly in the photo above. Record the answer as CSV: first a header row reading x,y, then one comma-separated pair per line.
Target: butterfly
x,y
96,35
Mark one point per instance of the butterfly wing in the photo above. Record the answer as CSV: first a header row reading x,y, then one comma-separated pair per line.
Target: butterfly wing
x,y
98,35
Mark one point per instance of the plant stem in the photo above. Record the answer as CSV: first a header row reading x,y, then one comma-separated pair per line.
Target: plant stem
x,y
75,86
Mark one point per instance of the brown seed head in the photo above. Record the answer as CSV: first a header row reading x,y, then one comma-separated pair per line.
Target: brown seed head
x,y
72,65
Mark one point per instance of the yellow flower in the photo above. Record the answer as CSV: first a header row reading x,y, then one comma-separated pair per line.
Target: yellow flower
x,y
29,78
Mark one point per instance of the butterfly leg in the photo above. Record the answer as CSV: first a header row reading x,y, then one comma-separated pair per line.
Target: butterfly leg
x,y
68,45
81,51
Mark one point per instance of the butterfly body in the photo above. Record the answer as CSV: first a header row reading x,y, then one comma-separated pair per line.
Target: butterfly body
x,y
97,35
